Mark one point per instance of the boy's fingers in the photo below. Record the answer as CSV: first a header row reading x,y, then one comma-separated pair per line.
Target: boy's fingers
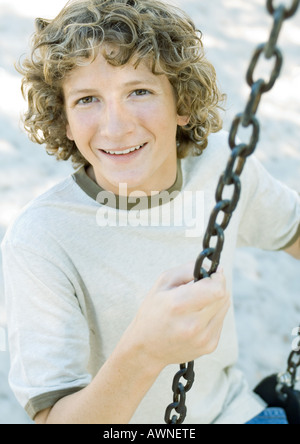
x,y
178,276
209,291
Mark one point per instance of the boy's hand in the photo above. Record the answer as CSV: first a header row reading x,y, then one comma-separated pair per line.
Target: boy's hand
x,y
180,320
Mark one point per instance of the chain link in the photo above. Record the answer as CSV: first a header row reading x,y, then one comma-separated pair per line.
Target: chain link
x,y
179,394
214,237
289,378
294,362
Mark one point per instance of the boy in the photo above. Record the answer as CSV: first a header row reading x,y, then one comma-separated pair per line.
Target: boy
x,y
98,271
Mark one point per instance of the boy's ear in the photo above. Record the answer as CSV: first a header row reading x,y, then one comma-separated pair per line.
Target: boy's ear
x,y
183,120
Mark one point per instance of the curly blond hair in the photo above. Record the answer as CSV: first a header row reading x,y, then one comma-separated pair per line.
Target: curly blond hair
x,y
139,29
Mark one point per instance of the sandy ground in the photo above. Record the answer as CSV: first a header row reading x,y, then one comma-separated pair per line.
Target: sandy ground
x,y
266,287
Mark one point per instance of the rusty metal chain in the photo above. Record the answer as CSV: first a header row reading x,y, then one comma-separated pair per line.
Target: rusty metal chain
x,y
214,237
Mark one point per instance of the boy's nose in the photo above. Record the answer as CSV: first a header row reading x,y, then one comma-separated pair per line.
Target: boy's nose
x,y
116,122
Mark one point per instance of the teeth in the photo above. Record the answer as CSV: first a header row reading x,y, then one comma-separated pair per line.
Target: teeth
x,y
120,153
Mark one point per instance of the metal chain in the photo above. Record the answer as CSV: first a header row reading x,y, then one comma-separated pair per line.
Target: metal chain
x,y
214,237
289,377
294,362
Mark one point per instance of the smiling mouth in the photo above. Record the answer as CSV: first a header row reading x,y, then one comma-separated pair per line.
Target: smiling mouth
x,y
124,152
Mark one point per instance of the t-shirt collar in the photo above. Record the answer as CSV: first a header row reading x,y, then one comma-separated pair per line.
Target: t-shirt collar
x,y
96,192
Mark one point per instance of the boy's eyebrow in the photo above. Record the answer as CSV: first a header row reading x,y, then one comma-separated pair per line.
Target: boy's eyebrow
x,y
91,91
140,82
85,91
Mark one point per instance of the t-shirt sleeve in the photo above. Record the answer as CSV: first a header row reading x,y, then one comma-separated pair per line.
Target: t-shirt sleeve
x,y
48,333
270,211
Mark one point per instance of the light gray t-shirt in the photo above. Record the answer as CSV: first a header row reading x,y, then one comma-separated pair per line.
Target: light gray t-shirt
x,y
78,262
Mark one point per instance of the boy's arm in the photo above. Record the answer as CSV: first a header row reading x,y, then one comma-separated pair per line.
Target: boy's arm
x,y
112,397
178,321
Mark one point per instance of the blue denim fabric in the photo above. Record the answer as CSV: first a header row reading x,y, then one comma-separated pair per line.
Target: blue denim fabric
x,y
270,416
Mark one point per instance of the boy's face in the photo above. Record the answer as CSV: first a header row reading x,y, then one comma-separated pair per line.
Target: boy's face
x,y
115,109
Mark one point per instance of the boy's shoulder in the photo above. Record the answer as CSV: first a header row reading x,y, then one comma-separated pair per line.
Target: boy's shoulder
x,y
221,138
36,216
212,162
217,149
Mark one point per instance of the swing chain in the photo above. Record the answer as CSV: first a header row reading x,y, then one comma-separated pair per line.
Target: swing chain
x,y
288,12
289,378
179,391
231,177
294,362
240,151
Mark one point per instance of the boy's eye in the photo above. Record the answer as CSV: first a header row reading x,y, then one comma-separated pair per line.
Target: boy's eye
x,y
87,100
141,92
